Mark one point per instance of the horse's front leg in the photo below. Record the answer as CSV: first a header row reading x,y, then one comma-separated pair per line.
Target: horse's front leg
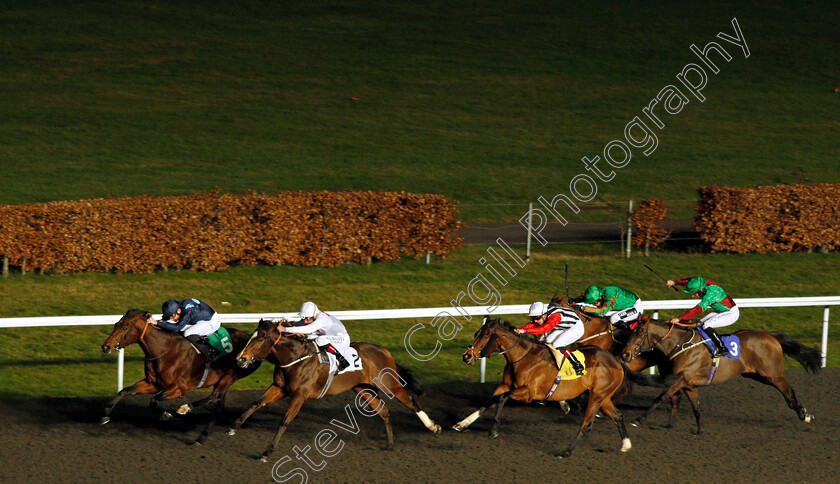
x,y
270,396
294,407
168,393
668,393
520,393
142,387
492,402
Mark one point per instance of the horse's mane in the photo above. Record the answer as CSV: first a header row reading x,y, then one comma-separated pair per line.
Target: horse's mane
x,y
135,312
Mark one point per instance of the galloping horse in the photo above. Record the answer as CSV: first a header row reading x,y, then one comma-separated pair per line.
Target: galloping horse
x,y
172,366
598,331
298,373
530,373
761,359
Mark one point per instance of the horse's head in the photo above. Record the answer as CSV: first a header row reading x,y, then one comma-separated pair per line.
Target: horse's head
x,y
128,330
260,344
640,340
486,340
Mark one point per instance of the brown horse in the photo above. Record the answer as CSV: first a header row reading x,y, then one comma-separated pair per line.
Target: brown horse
x,y
299,374
172,366
761,359
530,373
600,332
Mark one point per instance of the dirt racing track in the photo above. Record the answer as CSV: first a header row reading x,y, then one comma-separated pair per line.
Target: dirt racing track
x,y
750,434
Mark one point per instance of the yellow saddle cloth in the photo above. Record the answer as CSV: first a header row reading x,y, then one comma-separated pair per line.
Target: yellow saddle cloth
x,y
567,372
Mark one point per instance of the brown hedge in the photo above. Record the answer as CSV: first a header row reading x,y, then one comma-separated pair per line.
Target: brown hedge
x,y
648,220
213,231
765,219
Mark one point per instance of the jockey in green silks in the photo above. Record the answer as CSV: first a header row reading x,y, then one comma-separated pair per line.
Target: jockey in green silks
x,y
724,311
618,304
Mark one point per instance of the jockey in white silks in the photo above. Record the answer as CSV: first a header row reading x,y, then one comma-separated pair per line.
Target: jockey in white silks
x,y
329,333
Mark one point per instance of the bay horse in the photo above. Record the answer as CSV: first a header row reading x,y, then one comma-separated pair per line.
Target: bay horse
x,y
600,332
173,367
299,375
530,373
761,359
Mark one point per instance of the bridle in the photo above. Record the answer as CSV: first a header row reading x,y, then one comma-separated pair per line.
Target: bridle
x,y
646,335
266,339
142,334
487,350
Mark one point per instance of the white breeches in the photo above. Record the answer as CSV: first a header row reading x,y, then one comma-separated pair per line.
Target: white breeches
x,y
719,320
628,314
564,337
340,341
203,328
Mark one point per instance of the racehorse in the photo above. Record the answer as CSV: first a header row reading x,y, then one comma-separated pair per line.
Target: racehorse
x,y
173,367
598,331
530,373
298,374
761,359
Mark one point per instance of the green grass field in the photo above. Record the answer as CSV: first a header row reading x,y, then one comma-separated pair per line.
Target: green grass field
x,y
489,103
68,361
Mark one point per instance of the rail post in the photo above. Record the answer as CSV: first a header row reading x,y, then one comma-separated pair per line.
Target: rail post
x,y
483,369
824,349
653,368
629,247
120,368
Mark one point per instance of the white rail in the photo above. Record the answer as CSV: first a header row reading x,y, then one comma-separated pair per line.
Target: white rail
x,y
234,318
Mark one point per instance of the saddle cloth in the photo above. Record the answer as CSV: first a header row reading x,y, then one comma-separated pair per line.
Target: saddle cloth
x,y
349,353
566,371
730,341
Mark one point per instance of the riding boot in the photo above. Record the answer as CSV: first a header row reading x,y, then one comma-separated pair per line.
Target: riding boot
x,y
574,361
720,348
202,345
342,362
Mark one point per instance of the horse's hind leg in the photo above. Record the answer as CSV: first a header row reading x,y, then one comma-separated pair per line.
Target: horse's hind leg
x,y
675,406
142,387
779,383
218,404
492,402
294,407
376,405
608,407
694,398
394,389
592,407
270,396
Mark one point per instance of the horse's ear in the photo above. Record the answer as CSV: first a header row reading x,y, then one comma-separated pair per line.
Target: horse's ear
x,y
147,315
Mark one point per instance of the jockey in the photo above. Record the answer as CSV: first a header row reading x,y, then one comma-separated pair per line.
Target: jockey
x,y
618,304
713,297
195,318
564,325
327,331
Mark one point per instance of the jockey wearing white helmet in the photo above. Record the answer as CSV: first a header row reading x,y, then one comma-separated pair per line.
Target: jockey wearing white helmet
x,y
328,332
563,326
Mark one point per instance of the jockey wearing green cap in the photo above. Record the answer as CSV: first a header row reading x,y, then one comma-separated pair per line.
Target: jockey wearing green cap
x,y
618,304
713,297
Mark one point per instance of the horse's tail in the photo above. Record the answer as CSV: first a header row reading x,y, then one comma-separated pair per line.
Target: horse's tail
x,y
413,383
809,358
648,380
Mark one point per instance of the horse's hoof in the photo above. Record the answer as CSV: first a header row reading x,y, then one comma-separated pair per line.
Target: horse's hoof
x,y
184,409
565,408
599,415
165,416
625,444
635,423
104,420
197,443
263,458
668,425
697,432
458,428
436,429
564,454
231,432
808,418
494,433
